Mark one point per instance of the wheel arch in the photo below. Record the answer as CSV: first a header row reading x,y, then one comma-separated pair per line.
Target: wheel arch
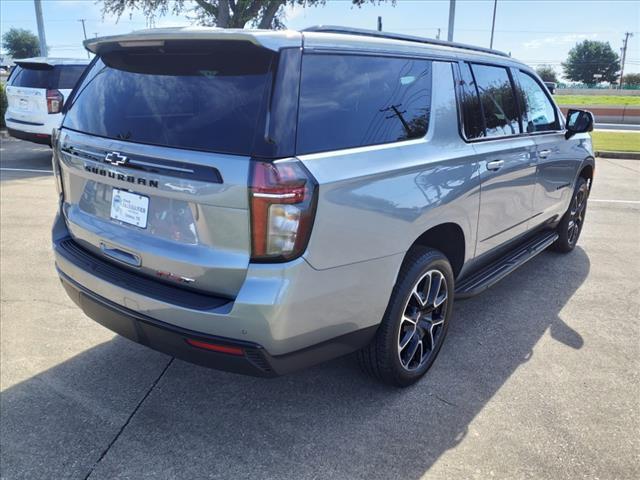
x,y
587,170
449,239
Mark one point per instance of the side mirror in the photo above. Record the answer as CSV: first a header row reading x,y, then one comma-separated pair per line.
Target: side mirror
x,y
578,121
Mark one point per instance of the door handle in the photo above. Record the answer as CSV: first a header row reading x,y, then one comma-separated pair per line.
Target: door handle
x,y
121,255
544,153
495,165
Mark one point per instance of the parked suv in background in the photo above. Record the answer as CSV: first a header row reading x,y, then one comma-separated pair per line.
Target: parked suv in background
x,y
36,91
261,201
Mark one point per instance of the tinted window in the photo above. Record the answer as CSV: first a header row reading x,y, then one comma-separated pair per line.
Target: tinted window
x,y
46,76
539,113
68,75
471,111
196,95
32,77
350,101
497,100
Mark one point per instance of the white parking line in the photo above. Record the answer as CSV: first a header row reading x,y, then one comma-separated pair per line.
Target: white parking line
x,y
599,200
25,170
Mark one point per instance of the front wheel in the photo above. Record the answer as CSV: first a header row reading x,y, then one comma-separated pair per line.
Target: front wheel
x,y
570,226
415,323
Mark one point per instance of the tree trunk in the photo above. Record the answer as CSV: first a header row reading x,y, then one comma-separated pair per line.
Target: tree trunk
x,y
269,13
223,16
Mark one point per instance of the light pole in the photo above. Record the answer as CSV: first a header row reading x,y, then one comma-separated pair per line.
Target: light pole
x,y
84,30
40,22
452,16
624,55
493,23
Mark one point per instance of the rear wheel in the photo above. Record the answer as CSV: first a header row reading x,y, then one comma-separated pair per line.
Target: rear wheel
x,y
570,226
415,323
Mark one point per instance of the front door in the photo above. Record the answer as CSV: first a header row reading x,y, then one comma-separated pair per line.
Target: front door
x,y
557,166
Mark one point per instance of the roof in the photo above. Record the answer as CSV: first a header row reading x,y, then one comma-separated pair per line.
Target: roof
x,y
398,36
319,37
52,61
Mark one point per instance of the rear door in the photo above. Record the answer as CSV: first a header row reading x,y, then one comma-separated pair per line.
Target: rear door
x,y
155,154
507,158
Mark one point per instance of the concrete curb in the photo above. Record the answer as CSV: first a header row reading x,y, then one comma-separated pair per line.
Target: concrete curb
x,y
621,155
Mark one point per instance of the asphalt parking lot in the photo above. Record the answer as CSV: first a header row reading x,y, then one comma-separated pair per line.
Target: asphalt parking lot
x,y
539,376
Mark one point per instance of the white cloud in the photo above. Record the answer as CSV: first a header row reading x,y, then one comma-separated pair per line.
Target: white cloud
x,y
561,39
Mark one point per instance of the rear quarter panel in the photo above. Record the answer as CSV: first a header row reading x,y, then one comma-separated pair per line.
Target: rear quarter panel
x,y
376,201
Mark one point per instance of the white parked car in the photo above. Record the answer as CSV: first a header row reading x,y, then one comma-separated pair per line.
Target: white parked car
x,y
36,91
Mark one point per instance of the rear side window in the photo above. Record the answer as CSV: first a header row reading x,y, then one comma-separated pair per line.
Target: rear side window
x,y
351,101
539,114
497,100
195,95
46,76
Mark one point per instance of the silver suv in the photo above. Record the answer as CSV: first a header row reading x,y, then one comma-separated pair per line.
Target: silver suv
x,y
261,201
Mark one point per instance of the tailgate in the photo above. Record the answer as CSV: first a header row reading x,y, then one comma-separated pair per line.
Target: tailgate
x,y
27,104
178,216
155,152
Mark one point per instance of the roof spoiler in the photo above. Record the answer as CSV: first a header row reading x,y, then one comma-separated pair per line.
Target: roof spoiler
x,y
270,39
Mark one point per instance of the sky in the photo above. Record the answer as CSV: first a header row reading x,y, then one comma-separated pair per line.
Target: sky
x,y
534,31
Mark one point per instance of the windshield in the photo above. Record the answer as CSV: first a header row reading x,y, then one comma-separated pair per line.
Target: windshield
x,y
195,95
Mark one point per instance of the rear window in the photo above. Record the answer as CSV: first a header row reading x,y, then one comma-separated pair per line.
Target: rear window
x,y
196,95
45,76
351,101
32,77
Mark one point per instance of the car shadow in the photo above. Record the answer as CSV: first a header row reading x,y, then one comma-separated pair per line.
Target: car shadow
x,y
327,421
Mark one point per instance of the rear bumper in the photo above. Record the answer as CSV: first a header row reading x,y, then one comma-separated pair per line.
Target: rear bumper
x,y
41,138
172,340
32,129
285,317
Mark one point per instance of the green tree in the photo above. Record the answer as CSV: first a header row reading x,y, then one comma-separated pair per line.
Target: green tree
x,y
3,104
592,62
547,73
20,43
219,13
631,79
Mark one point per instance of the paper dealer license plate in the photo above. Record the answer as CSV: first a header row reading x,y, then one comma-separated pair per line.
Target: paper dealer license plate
x,y
129,208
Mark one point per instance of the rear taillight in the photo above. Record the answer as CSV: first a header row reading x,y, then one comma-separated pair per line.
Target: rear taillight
x,y
283,201
54,101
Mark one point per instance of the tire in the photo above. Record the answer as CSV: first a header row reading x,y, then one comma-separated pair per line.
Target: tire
x,y
571,224
417,317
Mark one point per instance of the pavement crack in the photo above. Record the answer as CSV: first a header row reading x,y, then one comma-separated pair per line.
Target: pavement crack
x,y
444,401
125,424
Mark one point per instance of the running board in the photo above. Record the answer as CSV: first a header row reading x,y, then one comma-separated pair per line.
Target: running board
x,y
496,271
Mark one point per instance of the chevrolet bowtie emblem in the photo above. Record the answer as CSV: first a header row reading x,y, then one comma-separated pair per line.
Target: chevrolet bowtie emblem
x,y
114,158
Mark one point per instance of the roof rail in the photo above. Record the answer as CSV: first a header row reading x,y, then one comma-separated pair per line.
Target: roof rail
x,y
399,36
